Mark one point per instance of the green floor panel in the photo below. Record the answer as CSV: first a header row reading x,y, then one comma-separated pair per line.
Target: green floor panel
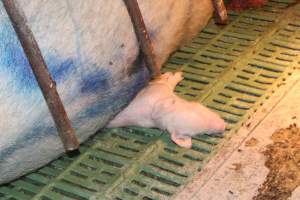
x,y
231,69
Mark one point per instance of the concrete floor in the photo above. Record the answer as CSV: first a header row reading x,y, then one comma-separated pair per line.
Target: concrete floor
x,y
220,180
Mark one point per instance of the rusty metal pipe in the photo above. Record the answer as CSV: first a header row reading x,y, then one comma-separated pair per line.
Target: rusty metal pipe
x,y
42,75
220,14
142,36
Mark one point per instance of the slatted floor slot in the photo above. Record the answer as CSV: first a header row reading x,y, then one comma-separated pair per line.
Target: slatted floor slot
x,y
230,69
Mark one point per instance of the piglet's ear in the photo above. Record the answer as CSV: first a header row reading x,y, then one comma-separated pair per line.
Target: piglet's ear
x,y
185,141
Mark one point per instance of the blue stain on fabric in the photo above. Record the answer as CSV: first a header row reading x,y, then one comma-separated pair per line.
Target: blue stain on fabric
x,y
12,58
14,62
35,135
120,98
96,82
59,69
113,102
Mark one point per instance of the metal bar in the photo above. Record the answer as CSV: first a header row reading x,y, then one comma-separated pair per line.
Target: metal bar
x,y
42,75
142,36
221,16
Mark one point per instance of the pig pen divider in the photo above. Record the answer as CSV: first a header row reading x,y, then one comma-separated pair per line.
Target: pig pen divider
x,y
232,69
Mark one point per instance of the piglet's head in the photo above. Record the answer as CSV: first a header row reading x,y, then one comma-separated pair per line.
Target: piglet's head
x,y
213,123
184,119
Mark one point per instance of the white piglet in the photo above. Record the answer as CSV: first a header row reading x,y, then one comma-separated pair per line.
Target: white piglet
x,y
158,106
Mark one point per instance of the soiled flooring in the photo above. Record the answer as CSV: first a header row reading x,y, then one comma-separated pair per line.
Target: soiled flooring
x,y
261,161
283,161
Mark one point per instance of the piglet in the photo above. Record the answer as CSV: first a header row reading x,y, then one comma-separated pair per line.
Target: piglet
x,y
158,106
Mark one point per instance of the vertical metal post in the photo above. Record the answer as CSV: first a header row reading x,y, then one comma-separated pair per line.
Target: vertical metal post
x,y
142,36
42,75
221,16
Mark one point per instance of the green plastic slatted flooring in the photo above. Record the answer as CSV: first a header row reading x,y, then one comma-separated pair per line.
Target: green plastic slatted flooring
x,y
231,69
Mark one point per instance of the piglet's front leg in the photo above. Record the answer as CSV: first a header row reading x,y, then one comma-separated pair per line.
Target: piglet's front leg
x,y
182,141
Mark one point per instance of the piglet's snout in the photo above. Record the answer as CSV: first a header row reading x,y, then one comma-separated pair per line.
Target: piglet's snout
x,y
216,125
220,125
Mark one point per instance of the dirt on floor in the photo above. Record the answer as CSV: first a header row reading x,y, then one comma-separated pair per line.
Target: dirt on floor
x,y
283,161
251,143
